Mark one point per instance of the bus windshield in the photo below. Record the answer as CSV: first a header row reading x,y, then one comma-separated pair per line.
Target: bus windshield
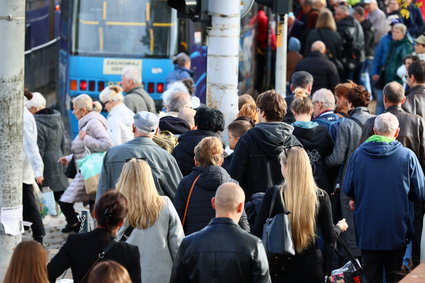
x,y
124,28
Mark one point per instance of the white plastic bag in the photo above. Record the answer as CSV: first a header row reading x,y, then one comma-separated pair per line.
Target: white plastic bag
x,y
48,199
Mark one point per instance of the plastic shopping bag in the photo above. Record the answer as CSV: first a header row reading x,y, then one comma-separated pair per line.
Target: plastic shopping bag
x,y
48,200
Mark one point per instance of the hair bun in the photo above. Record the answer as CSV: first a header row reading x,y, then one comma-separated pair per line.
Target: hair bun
x,y
300,93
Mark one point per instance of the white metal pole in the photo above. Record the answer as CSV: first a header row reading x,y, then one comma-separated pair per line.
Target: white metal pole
x,y
223,57
281,52
12,26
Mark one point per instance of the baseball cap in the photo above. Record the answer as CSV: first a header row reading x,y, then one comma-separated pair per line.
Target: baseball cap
x,y
420,39
146,121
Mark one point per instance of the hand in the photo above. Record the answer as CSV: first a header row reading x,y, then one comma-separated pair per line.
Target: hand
x,y
352,205
342,225
63,161
82,134
39,180
375,77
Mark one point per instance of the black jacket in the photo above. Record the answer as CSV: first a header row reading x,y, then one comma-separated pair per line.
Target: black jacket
x,y
255,164
80,251
330,38
184,151
318,144
200,211
324,72
369,38
221,252
411,135
352,37
415,100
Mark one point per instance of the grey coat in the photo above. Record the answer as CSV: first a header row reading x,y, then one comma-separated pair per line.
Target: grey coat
x,y
52,145
347,141
165,171
137,99
158,244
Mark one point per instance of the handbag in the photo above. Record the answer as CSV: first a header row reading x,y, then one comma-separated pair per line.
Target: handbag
x,y
350,272
380,83
90,167
71,169
277,237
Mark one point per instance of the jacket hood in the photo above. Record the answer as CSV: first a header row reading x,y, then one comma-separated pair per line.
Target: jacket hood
x,y
381,149
211,177
346,22
175,125
311,137
91,115
271,136
48,118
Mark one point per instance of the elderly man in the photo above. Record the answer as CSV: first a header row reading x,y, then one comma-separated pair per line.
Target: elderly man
x,y
420,46
165,170
222,251
323,111
377,18
300,79
320,67
382,179
136,98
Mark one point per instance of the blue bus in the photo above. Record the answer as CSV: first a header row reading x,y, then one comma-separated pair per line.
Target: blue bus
x,y
98,38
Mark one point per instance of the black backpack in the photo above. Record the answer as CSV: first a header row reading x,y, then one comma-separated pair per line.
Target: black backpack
x,y
352,49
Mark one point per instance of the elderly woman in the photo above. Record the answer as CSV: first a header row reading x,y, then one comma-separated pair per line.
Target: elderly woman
x,y
92,136
193,196
120,118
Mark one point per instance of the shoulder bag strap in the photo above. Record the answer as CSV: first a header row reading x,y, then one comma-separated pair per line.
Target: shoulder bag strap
x,y
188,199
99,257
127,233
274,196
357,121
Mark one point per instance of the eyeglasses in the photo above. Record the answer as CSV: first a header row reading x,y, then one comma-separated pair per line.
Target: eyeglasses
x,y
258,109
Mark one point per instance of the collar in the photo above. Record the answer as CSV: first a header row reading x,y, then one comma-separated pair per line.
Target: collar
x,y
394,108
377,138
134,89
325,112
222,220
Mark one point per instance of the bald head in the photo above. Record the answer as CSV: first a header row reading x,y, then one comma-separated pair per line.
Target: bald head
x,y
393,94
318,46
229,201
188,114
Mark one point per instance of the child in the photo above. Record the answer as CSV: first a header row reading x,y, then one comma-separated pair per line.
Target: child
x,y
235,130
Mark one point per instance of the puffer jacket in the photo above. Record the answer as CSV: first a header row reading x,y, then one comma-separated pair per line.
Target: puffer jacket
x,y
255,164
184,151
200,211
51,144
96,140
120,124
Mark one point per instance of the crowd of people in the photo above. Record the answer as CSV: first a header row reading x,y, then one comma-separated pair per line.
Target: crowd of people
x,y
175,202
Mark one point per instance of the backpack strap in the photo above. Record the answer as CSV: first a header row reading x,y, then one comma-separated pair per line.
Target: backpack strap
x,y
357,121
274,196
188,199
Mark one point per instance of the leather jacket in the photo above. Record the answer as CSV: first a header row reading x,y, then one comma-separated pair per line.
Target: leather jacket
x,y
221,252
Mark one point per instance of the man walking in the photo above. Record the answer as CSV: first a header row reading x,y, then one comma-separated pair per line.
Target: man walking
x,y
382,179
165,170
222,251
415,102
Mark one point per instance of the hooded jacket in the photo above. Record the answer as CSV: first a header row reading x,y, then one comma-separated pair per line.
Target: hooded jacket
x,y
383,178
398,50
51,144
184,151
255,164
352,36
318,144
200,211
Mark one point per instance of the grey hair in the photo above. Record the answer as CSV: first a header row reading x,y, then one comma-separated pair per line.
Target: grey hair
x,y
301,79
385,124
176,97
113,93
326,97
344,9
37,101
401,27
131,73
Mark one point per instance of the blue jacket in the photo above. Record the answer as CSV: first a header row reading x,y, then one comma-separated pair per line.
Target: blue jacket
x,y
383,178
179,73
381,54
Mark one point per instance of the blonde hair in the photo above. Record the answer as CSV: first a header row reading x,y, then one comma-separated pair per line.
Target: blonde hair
x,y
113,92
209,151
302,103
137,185
84,101
300,196
28,264
326,20
109,271
250,111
